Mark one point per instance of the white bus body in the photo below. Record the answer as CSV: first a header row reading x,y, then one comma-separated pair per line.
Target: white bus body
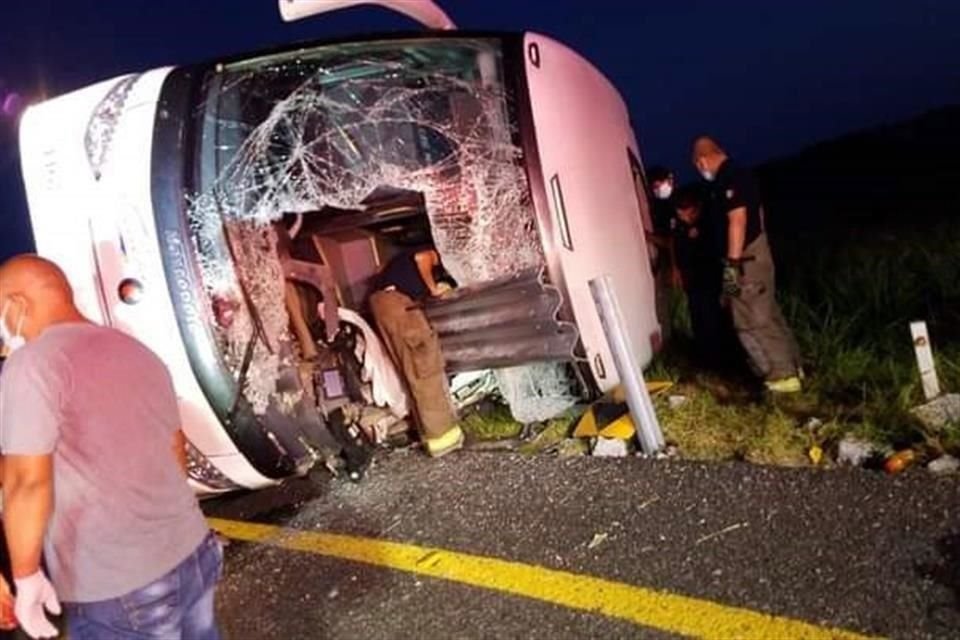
x,y
123,177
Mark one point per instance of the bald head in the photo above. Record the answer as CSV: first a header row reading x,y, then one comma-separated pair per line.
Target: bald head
x,y
705,146
35,294
35,275
707,155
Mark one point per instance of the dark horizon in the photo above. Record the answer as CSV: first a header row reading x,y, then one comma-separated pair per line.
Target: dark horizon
x,y
766,81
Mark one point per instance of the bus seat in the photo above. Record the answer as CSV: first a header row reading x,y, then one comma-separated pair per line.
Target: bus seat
x,y
354,260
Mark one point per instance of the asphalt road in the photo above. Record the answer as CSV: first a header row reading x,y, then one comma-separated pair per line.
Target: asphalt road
x,y
851,549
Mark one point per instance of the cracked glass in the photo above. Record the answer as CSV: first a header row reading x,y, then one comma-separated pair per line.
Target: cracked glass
x,y
327,127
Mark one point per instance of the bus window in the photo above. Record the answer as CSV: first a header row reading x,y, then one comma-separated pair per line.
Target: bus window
x,y
642,190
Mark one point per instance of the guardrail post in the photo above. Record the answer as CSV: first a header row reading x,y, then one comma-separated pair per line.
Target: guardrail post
x,y
631,373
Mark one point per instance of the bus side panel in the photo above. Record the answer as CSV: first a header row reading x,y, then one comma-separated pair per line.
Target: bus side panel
x,y
60,190
87,172
584,140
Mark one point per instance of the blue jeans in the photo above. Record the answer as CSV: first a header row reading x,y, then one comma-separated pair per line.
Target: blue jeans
x,y
178,606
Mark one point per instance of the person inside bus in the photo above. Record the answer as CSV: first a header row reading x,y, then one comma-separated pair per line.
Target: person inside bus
x,y
125,543
412,276
663,262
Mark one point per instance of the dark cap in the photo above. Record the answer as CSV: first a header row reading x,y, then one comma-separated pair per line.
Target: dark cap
x,y
687,196
658,173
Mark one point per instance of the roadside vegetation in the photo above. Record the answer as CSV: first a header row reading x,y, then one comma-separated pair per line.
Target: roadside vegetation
x,y
849,299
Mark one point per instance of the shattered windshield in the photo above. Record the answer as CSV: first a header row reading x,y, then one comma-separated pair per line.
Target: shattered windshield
x,y
327,127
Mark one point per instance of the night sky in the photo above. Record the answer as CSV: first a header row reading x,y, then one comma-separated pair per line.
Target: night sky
x,y
766,77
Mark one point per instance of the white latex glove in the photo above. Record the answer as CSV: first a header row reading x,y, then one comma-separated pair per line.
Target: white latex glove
x,y
34,594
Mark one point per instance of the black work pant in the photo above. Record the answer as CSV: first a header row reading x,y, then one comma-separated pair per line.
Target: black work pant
x,y
714,341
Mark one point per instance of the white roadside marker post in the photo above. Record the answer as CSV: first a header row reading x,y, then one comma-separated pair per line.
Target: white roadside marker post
x,y
925,362
631,374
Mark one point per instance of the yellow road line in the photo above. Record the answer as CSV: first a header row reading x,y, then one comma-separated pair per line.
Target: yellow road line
x,y
647,607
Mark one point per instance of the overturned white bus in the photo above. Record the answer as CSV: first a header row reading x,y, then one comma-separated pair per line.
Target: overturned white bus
x,y
231,215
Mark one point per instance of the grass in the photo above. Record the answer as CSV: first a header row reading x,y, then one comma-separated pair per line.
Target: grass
x,y
490,420
849,302
705,429
850,306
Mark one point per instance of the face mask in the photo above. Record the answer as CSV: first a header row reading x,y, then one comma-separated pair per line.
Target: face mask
x,y
11,341
663,191
707,175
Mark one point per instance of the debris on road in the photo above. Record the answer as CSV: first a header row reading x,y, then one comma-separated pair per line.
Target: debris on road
x,y
944,465
668,452
724,531
652,547
939,412
649,502
393,526
605,429
854,452
598,539
900,461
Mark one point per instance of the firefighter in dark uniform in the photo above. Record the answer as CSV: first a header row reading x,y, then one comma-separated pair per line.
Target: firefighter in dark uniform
x,y
698,253
663,262
748,272
408,279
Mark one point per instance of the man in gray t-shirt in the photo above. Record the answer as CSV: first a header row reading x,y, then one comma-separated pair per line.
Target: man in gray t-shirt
x,y
90,434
